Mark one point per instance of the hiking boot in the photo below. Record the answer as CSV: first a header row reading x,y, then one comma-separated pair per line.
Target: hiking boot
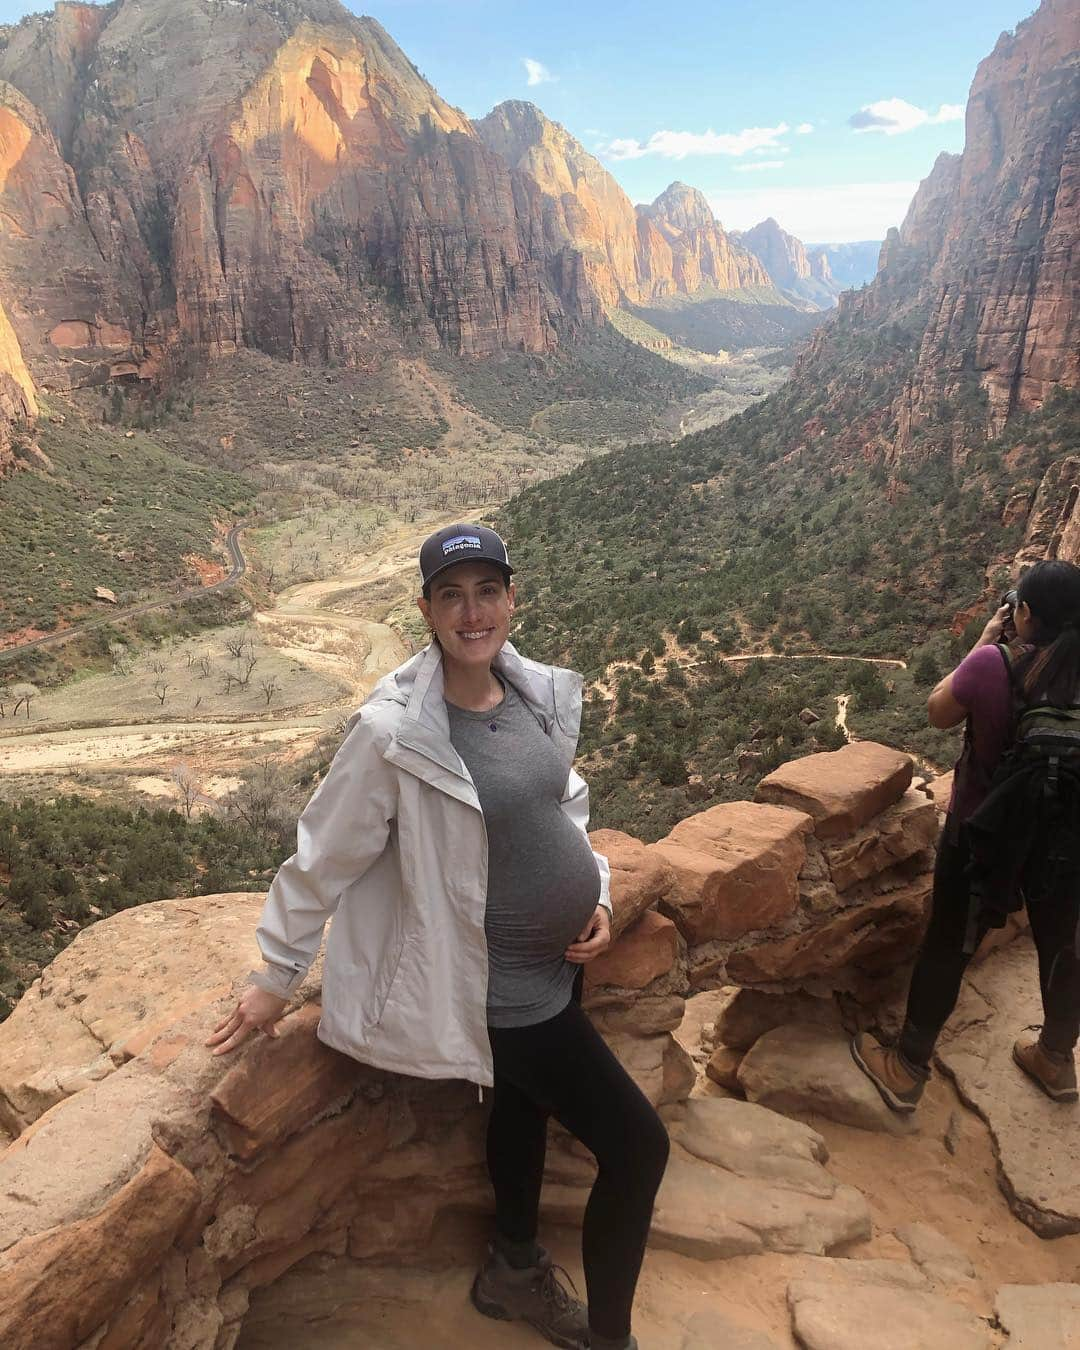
x,y
1055,1073
595,1344
534,1295
900,1083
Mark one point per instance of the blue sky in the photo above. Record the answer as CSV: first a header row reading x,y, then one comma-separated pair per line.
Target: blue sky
x,y
750,102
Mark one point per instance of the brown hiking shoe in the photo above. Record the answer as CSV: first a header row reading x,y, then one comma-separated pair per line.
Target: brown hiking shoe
x,y
535,1295
899,1085
1053,1072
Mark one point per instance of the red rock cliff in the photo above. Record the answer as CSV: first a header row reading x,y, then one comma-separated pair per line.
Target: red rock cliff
x,y
266,174
988,250
685,248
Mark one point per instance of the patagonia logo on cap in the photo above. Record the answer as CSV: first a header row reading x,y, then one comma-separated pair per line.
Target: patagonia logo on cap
x,y
460,542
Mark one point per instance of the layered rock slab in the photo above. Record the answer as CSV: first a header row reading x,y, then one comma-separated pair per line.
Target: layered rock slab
x,y
1039,1317
115,988
736,868
841,790
741,1180
855,1304
1037,1140
808,1070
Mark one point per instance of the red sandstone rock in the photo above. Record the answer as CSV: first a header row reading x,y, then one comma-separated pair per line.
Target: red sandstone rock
x,y
723,1067
736,868
908,827
752,1012
59,1286
281,1084
638,877
941,791
1053,527
115,988
871,936
841,789
645,952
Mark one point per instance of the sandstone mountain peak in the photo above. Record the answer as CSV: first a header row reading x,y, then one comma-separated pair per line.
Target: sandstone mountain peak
x,y
682,208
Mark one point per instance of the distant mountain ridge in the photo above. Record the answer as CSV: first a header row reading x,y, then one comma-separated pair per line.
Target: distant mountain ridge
x,y
850,265
809,275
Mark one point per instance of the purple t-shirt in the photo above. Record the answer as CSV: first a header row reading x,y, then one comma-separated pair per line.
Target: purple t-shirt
x,y
981,683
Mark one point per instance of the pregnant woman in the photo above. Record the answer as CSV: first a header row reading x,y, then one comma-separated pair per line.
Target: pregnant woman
x,y
449,837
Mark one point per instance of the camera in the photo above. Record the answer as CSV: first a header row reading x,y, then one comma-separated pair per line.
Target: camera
x,y
1008,631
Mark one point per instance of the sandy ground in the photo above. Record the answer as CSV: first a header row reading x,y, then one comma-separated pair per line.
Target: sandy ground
x,y
353,651
326,1304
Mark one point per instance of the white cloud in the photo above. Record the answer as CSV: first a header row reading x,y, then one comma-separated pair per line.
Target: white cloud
x,y
759,164
537,72
894,116
841,213
804,129
679,144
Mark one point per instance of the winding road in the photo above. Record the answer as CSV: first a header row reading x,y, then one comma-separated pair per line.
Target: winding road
x,y
239,567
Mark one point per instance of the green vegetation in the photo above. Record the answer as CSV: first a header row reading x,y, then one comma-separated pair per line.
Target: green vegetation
x,y
764,534
110,511
70,861
729,320
591,387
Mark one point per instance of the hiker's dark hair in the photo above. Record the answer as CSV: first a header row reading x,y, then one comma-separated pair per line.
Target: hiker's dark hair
x,y
1051,673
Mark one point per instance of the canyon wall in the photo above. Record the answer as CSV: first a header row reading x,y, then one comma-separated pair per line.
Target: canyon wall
x,y
984,267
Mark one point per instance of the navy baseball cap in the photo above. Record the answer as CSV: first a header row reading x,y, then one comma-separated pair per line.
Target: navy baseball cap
x,y
461,543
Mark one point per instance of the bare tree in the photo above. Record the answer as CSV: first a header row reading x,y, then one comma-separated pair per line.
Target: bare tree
x,y
235,643
205,665
187,785
249,663
161,689
5,697
269,688
230,680
121,658
22,694
261,799
157,665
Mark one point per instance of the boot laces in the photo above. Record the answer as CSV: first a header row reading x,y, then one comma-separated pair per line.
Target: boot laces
x,y
552,1291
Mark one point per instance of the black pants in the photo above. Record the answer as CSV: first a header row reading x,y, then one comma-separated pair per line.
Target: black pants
x,y
563,1068
940,965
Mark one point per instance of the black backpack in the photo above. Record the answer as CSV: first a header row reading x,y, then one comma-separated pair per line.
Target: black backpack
x,y
1025,836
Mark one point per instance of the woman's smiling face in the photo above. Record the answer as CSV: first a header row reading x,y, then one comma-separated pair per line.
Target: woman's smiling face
x,y
469,611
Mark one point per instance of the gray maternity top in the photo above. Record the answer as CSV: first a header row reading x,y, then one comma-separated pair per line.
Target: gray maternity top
x,y
543,881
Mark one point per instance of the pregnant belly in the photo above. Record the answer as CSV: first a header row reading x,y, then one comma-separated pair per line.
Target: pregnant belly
x,y
536,925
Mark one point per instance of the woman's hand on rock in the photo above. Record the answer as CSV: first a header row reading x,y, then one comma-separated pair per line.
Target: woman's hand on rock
x,y
257,1010
595,938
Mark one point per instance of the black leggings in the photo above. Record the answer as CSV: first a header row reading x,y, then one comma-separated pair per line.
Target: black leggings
x,y
940,965
563,1068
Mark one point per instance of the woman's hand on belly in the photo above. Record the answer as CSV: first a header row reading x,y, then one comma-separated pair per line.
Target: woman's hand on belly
x,y
593,939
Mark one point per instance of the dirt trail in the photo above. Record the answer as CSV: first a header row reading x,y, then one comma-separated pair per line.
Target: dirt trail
x,y
303,622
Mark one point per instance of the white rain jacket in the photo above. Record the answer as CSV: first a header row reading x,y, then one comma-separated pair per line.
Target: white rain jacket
x,y
393,840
